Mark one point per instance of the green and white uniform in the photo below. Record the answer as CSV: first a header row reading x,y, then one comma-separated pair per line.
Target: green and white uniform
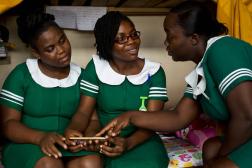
x,y
46,104
227,62
116,94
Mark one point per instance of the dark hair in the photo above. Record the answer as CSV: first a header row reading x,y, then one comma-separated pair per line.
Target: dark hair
x,y
196,17
30,26
105,32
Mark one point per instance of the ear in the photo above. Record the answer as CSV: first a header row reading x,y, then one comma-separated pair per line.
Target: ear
x,y
35,53
195,39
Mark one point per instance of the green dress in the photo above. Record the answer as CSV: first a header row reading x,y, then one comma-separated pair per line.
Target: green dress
x,y
46,104
227,62
116,94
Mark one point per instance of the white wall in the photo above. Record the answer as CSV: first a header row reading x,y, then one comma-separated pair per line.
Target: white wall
x,y
152,36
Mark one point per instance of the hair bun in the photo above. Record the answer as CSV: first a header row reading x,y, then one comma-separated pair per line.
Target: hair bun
x,y
28,24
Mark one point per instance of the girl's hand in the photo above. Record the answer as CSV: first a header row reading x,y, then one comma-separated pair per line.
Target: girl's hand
x,y
116,125
73,145
47,144
118,146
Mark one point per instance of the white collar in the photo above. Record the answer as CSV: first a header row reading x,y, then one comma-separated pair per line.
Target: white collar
x,y
107,75
192,78
49,82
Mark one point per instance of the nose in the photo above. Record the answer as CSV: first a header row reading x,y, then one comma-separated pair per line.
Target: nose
x,y
60,49
130,40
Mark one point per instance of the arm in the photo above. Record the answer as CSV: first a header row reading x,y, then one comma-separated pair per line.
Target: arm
x,y
239,102
84,112
10,122
185,112
80,123
93,126
142,134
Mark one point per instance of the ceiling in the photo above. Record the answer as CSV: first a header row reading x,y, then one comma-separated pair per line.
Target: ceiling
x,y
152,7
119,3
130,7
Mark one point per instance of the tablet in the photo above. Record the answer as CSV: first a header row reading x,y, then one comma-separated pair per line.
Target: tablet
x,y
87,138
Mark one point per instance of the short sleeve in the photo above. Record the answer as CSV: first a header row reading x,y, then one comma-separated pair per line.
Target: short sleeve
x,y
229,62
158,89
89,81
188,92
12,93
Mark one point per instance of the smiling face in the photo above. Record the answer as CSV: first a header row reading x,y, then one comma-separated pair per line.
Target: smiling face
x,y
178,45
128,51
53,48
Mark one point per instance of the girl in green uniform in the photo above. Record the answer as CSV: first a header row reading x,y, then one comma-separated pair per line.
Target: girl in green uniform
x,y
39,98
116,80
220,85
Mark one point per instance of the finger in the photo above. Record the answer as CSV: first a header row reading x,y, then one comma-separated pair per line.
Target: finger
x,y
107,148
73,134
109,154
106,128
54,151
76,148
61,137
96,141
118,127
90,142
46,152
61,142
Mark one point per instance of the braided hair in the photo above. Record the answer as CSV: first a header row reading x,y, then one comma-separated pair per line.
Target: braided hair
x,y
105,32
195,17
30,26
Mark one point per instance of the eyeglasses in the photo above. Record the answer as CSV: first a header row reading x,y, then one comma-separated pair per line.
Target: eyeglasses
x,y
125,38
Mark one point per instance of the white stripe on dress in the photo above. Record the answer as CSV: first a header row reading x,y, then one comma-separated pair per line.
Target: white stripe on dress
x,y
157,88
229,76
11,101
13,94
90,84
88,90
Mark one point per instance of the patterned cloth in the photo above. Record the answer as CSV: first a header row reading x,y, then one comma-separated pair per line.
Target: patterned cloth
x,y
181,153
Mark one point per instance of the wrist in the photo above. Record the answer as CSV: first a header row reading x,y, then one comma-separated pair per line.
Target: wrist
x,y
129,143
37,139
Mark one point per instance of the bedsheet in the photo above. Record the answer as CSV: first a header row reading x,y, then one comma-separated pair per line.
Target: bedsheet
x,y
182,153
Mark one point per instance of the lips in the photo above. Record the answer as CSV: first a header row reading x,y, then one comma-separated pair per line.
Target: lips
x,y
64,59
133,51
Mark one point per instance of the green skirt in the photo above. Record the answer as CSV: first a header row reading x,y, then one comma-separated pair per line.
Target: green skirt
x,y
150,154
27,155
242,155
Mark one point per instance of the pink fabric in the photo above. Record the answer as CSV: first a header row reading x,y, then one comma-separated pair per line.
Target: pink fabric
x,y
198,131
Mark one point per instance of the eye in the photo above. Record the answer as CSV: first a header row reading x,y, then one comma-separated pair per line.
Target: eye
x,y
121,39
62,40
135,35
49,49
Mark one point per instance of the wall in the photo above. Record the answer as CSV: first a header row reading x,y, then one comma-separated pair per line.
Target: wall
x,y
152,36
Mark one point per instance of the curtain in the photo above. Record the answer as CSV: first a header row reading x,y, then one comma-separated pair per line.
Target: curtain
x,y
237,16
7,4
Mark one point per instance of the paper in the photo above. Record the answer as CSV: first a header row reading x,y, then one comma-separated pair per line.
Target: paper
x,y
76,17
